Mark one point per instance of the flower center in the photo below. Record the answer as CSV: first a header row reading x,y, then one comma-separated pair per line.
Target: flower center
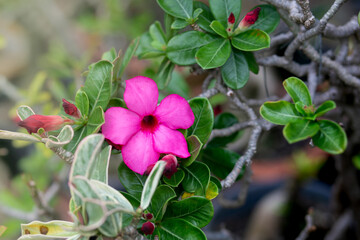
x,y
149,123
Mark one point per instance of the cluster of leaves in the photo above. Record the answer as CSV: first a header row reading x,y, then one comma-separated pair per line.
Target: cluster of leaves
x,y
301,118
209,45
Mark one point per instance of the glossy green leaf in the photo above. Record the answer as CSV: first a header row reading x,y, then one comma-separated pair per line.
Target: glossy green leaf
x,y
178,8
280,112
197,177
251,40
194,146
216,181
47,230
164,73
221,161
82,102
205,18
197,12
300,130
151,184
219,28
325,107
24,112
221,9
145,49
175,179
182,48
235,72
223,120
17,136
297,90
213,54
117,102
130,52
96,120
300,108
98,85
268,19
212,191
196,210
134,202
160,200
132,182
178,229
251,61
179,24
157,33
109,55
331,137
204,119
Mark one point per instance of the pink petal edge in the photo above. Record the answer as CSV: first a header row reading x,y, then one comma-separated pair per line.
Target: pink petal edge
x,y
120,125
171,141
141,95
139,152
175,112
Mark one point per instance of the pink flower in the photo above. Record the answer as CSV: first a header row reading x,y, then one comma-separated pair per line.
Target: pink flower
x,y
144,129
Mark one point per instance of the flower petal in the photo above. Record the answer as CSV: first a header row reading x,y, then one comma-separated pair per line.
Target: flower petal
x,y
171,141
175,112
139,152
141,95
120,125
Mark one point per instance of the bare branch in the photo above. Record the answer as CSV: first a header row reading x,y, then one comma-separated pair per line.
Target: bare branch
x,y
309,226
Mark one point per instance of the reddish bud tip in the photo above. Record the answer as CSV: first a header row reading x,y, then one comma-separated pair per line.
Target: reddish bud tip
x,y
48,123
148,228
231,19
114,145
71,109
171,165
149,216
149,169
250,18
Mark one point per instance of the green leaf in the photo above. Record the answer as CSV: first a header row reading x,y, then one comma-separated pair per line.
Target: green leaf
x,y
178,229
220,161
205,17
134,202
64,137
96,120
204,118
98,84
235,71
196,210
151,184
300,130
251,61
160,200
157,33
175,179
331,137
117,102
197,177
268,19
109,55
101,165
219,28
194,146
325,107
251,40
197,12
47,230
213,54
216,181
221,9
164,73
130,52
212,191
355,160
179,24
79,134
224,120
132,182
182,48
24,112
17,136
82,102
178,8
297,90
145,50
280,112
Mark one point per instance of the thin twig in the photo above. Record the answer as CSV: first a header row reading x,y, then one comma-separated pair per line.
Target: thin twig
x,y
309,226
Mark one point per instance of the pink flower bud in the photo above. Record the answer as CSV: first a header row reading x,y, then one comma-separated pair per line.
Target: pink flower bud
x,y
171,165
71,109
149,216
250,18
148,228
231,19
48,123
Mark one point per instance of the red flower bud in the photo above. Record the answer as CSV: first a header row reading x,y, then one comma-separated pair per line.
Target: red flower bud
x,y
231,19
71,109
171,165
148,228
48,123
250,18
149,216
114,145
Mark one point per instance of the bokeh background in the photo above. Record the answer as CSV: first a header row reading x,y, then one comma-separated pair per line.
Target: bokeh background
x,y
46,45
